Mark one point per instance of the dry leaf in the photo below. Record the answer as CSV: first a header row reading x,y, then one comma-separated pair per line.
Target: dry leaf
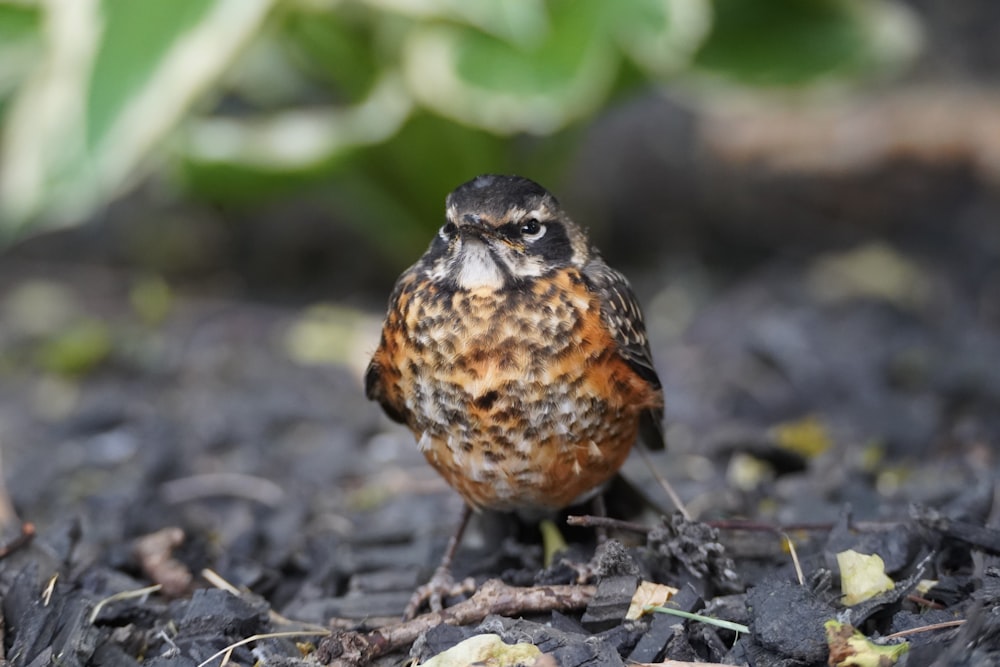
x,y
649,594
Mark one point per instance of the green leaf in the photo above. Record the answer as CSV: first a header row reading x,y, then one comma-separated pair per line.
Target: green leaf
x,y
299,139
17,21
115,78
661,36
338,49
136,40
478,79
19,43
523,22
78,349
791,42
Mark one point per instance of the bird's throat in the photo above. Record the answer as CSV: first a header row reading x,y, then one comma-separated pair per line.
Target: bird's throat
x,y
477,268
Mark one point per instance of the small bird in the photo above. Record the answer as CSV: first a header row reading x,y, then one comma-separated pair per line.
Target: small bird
x,y
517,358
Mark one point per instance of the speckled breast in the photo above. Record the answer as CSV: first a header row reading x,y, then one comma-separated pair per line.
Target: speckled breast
x,y
518,398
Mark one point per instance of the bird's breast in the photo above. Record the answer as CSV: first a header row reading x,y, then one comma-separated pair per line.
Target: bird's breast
x,y
518,398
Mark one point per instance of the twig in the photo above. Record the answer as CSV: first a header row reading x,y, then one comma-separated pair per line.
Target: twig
x,y
925,628
122,595
662,481
983,538
795,558
8,515
765,527
50,588
19,542
226,484
351,648
924,602
214,578
217,580
591,521
227,652
155,554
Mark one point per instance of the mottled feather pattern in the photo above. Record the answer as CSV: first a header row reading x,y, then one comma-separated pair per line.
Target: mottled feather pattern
x,y
514,412
623,317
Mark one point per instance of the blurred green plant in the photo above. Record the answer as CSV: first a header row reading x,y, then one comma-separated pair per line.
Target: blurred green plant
x,y
371,103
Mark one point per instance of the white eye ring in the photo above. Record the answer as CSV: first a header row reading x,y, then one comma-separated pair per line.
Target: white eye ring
x,y
533,235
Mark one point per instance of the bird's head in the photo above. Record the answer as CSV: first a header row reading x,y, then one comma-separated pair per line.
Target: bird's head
x,y
500,231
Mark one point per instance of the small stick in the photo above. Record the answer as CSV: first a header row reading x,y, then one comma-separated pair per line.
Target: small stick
x,y
50,588
19,542
8,515
217,580
662,481
925,628
222,484
155,555
924,602
214,578
123,595
743,524
591,521
763,526
795,558
352,648
228,651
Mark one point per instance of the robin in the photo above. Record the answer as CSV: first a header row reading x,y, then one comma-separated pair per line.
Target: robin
x,y
516,356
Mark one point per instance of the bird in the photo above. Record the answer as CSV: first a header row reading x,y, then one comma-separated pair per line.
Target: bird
x,y
517,357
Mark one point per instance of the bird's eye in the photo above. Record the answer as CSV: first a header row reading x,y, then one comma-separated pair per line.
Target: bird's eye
x,y
448,231
532,230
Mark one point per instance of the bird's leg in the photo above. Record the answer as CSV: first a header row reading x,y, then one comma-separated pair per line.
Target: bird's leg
x,y
442,584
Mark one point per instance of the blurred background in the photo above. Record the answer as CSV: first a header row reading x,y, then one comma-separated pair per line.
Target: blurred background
x,y
307,145
204,205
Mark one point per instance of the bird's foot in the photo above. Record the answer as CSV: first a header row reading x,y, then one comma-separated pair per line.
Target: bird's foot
x,y
442,585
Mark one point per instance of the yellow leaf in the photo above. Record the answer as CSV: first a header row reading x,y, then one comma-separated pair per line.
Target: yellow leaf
x,y
649,594
747,473
807,436
327,335
485,650
850,648
861,576
873,271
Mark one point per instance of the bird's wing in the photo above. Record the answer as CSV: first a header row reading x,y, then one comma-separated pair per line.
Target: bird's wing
x,y
623,318
382,373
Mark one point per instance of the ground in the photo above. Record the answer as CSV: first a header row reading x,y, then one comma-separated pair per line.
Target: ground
x,y
842,388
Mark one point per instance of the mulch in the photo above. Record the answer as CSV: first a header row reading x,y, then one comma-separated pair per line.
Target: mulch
x,y
203,487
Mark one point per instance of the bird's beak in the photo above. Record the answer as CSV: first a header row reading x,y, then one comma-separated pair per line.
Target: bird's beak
x,y
476,227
